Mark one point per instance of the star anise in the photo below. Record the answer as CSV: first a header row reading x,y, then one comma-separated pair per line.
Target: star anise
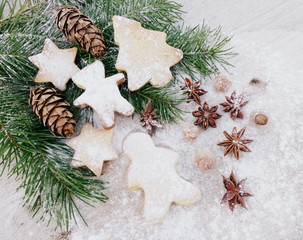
x,y
149,118
234,105
235,144
206,117
234,194
193,90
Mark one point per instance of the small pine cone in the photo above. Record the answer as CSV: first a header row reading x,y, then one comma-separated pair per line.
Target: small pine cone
x,y
79,28
50,107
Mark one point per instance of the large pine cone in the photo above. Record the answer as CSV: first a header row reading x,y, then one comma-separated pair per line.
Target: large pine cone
x,y
79,28
52,109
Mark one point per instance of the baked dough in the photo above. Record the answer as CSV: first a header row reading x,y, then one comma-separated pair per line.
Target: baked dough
x,y
143,54
154,170
55,65
92,147
102,94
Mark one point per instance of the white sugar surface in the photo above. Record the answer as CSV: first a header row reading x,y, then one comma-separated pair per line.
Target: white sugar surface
x,y
268,37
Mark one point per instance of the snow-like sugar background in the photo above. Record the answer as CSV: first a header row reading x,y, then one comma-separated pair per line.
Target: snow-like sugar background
x,y
269,42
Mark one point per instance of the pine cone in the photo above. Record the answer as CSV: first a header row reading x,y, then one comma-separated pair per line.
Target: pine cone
x,y
50,107
79,28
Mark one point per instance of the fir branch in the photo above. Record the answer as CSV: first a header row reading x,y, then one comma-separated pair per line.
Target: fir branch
x,y
36,157
39,160
42,161
151,13
204,50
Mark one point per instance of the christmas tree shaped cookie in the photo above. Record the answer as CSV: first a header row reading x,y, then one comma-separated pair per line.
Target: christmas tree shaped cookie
x,y
143,54
154,170
102,94
92,147
55,65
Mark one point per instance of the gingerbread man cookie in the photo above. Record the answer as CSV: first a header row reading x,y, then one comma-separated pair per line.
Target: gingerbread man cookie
x,y
55,65
154,170
102,94
143,54
92,147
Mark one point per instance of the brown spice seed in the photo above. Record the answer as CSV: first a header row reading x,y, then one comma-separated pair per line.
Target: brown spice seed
x,y
261,119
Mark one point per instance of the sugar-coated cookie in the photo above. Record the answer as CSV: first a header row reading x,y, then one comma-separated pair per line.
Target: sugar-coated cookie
x,y
55,65
154,170
92,147
143,54
102,94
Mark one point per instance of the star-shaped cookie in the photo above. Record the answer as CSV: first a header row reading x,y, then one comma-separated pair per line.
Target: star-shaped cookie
x,y
143,54
154,170
102,94
55,65
92,147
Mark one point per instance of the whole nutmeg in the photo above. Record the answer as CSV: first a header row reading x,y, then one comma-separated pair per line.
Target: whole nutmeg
x,y
205,159
222,83
261,119
191,132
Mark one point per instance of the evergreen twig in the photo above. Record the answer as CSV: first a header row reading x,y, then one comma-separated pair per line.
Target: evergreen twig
x,y
38,159
204,50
